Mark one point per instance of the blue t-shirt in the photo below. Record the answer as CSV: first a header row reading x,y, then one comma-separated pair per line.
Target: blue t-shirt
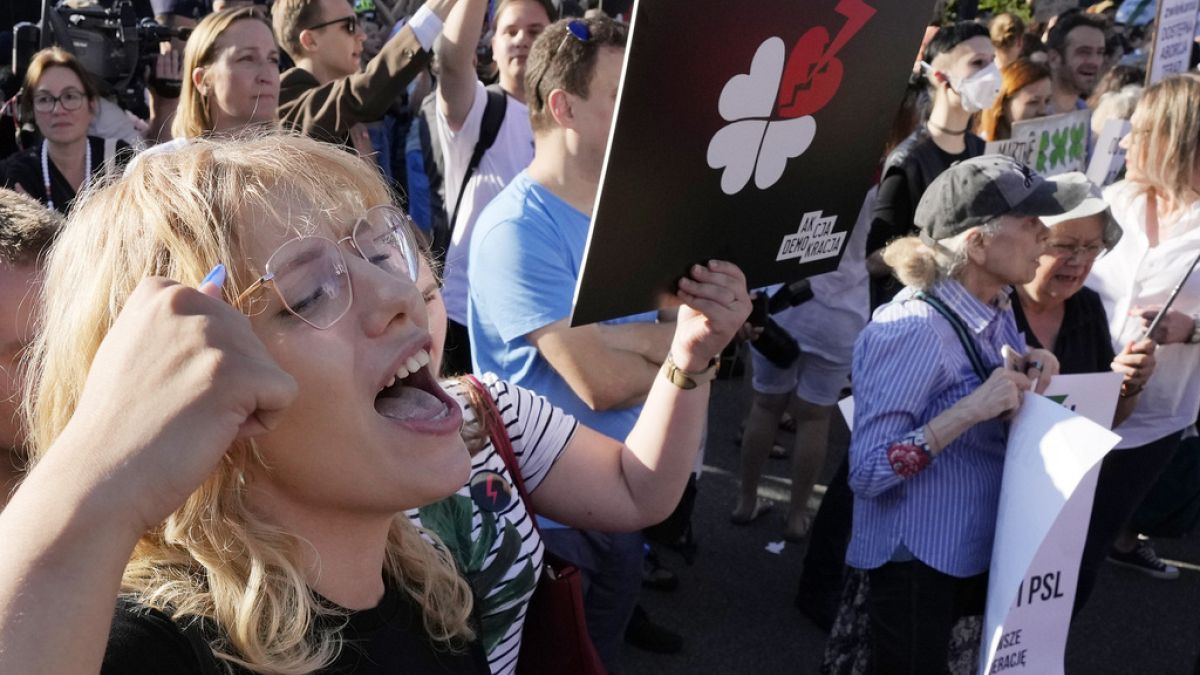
x,y
526,253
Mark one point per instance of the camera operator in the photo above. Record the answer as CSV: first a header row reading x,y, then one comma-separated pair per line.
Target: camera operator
x,y
801,359
63,100
179,17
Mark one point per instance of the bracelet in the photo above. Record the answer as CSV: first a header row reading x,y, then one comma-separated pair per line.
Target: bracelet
x,y
689,380
909,455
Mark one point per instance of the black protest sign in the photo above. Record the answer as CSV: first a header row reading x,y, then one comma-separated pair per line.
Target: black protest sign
x,y
746,132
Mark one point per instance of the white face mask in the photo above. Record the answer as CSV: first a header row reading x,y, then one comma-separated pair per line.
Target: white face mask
x,y
980,89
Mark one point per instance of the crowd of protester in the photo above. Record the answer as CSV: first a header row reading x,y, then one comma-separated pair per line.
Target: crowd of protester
x,y
239,321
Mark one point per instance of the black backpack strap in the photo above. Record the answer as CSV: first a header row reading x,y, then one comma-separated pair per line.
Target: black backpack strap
x,y
960,329
489,129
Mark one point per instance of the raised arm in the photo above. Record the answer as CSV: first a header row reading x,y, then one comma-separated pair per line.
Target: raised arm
x,y
455,51
601,483
145,433
329,111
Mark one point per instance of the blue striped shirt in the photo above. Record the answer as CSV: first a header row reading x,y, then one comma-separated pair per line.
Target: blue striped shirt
x,y
909,366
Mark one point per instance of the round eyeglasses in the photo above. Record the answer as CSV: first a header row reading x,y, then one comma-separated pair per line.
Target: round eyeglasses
x,y
71,99
310,274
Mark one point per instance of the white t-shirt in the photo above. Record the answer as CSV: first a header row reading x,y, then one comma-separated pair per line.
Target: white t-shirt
x,y
1135,275
508,156
512,561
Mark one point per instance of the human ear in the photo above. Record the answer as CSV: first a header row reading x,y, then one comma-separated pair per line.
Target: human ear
x,y
308,40
198,74
558,104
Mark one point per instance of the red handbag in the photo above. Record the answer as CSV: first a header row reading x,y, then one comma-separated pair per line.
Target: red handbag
x,y
555,639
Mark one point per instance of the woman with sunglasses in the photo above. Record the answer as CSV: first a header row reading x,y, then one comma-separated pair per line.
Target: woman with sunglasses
x,y
243,489
63,99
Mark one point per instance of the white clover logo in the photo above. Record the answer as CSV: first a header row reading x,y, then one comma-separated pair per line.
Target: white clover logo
x,y
769,110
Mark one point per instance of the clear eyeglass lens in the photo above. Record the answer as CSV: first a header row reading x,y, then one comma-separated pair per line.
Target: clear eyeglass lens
x,y
383,239
311,279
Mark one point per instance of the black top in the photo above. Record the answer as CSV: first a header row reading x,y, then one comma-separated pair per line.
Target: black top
x,y
908,172
1083,344
390,638
25,168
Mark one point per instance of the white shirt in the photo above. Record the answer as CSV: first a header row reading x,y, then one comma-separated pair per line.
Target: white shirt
x,y
509,155
1135,275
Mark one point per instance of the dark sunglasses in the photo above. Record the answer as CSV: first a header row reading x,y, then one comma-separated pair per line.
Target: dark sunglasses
x,y
577,29
349,23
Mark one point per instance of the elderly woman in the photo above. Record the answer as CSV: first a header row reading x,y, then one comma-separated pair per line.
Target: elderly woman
x,y
935,374
1158,207
1056,311
247,498
63,99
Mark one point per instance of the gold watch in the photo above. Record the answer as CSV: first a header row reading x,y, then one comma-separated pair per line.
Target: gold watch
x,y
689,380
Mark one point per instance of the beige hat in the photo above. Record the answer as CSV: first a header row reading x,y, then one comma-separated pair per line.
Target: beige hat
x,y
1091,205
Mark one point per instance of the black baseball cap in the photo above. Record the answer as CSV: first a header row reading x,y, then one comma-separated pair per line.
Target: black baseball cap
x,y
979,190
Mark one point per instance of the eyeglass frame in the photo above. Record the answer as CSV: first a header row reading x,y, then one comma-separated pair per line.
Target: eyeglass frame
x,y
351,23
56,101
269,276
1076,251
573,28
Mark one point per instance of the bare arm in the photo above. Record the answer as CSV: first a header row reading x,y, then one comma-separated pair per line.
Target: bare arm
x,y
455,51
651,341
601,483
601,373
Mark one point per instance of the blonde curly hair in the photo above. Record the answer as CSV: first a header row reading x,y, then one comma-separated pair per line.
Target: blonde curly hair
x,y
176,215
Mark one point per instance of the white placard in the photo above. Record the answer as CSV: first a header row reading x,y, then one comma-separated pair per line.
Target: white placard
x,y
1109,157
1093,395
1050,469
1173,36
1049,145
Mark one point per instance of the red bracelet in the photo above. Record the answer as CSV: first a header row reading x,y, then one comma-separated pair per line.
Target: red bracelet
x,y
909,455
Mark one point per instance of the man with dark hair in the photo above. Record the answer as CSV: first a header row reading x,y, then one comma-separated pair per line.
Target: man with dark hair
x,y
462,106
1076,47
325,96
525,258
962,79
26,230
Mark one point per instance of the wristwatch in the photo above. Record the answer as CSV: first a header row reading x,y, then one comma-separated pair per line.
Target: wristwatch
x,y
689,380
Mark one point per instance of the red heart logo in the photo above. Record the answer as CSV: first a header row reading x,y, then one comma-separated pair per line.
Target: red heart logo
x,y
811,78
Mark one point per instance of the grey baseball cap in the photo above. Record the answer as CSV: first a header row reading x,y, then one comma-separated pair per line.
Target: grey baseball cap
x,y
1093,204
978,190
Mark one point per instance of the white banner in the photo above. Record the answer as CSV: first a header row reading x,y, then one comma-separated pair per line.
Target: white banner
x,y
1049,145
1173,36
1050,470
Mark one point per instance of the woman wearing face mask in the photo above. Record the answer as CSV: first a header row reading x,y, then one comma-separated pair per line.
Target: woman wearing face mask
x,y
962,80
1024,95
241,489
62,99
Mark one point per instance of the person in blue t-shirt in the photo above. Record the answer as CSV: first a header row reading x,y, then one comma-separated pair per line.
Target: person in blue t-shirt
x,y
525,257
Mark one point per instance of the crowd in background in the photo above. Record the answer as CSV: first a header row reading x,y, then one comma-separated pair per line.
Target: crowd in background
x,y
447,154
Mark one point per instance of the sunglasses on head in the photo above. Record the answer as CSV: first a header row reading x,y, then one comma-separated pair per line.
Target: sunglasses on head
x,y
577,29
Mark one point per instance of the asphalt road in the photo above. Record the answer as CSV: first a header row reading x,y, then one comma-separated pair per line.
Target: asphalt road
x,y
734,605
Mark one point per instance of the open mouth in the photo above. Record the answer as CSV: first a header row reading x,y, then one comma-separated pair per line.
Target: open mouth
x,y
414,399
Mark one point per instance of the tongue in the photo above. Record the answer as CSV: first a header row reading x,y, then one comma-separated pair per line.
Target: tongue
x,y
410,403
